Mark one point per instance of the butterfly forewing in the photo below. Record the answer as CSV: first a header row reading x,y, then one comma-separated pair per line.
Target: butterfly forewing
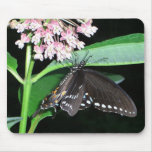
x,y
66,82
73,98
64,86
107,96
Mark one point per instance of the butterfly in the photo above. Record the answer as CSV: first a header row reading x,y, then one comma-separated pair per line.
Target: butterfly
x,y
82,88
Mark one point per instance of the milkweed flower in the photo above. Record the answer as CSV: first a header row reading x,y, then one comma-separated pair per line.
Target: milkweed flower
x,y
20,28
36,38
55,27
35,24
53,38
24,39
39,52
87,29
48,37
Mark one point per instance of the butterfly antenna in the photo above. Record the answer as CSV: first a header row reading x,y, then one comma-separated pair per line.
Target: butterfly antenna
x,y
84,58
102,59
71,61
76,59
88,58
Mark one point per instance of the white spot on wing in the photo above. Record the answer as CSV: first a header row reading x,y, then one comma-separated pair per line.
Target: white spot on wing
x,y
66,97
41,108
109,106
103,106
88,102
80,87
115,107
63,102
97,104
120,109
67,104
82,104
91,99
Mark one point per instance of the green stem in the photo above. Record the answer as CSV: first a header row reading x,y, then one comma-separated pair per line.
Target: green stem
x,y
35,121
28,59
34,124
24,111
26,89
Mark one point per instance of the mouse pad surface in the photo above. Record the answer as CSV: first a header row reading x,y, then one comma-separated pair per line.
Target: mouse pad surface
x,y
75,76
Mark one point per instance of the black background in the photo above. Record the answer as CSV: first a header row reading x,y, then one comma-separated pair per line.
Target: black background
x,y
90,120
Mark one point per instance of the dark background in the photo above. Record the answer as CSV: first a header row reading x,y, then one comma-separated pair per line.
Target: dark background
x,y
90,120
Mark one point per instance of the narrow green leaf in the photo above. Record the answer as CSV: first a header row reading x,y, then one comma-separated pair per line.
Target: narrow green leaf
x,y
11,62
12,66
131,38
11,121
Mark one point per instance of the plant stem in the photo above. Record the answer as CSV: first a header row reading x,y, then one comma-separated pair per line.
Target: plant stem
x,y
28,59
35,121
26,89
24,111
34,124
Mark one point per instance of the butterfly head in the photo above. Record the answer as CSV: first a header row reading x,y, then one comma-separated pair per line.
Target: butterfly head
x,y
82,64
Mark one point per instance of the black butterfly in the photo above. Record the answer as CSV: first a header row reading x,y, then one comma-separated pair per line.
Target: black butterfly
x,y
83,87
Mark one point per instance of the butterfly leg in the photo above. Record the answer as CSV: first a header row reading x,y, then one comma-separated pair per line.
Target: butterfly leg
x,y
55,111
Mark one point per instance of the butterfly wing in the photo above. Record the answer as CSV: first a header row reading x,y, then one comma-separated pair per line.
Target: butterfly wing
x,y
73,98
63,87
86,102
108,96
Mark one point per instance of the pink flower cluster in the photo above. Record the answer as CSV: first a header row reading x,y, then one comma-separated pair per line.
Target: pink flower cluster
x,y
52,37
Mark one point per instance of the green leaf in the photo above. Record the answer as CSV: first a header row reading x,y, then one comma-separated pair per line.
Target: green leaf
x,y
115,77
12,66
48,83
131,38
35,121
11,121
11,62
123,50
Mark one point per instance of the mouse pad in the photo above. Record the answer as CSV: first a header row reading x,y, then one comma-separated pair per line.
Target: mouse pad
x,y
75,76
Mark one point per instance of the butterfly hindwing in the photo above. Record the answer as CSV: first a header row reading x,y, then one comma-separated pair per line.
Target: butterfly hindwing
x,y
108,96
86,102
